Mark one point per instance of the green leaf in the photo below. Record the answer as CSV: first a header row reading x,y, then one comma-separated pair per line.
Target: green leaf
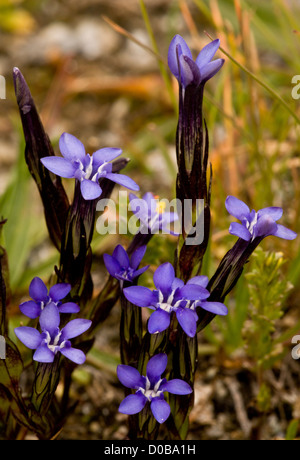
x,y
292,430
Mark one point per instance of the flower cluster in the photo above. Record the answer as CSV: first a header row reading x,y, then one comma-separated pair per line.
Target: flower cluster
x,y
150,388
50,339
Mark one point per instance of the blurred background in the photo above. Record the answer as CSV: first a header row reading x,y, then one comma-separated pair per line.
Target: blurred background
x,y
97,69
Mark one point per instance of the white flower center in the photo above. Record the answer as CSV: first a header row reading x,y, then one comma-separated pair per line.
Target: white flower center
x,y
54,345
89,169
151,393
250,225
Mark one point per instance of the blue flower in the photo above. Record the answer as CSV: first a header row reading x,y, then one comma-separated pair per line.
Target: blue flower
x,y
150,388
256,224
185,69
121,267
151,213
88,169
53,340
41,298
172,295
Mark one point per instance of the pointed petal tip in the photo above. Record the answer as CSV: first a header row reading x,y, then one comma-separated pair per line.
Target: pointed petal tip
x,y
22,90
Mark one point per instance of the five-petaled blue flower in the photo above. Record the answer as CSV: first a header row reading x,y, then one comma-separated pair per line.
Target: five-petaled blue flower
x,y
52,339
256,224
172,295
121,267
185,69
41,298
152,214
150,388
88,169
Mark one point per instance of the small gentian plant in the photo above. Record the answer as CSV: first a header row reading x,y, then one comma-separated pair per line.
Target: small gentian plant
x,y
123,268
256,224
52,340
150,388
87,169
40,296
172,295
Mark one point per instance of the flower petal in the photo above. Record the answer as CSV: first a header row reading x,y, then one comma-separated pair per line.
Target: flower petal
x,y
121,179
285,233
106,154
189,71
207,53
59,291
177,48
159,321
71,147
90,190
156,366
237,208
139,295
274,212
217,308
160,409
201,280
265,226
176,387
177,283
59,166
43,354
163,278
186,319
29,336
140,271
129,376
211,69
133,404
137,256
75,327
192,292
239,230
69,307
112,265
38,290
30,309
122,257
50,319
75,355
